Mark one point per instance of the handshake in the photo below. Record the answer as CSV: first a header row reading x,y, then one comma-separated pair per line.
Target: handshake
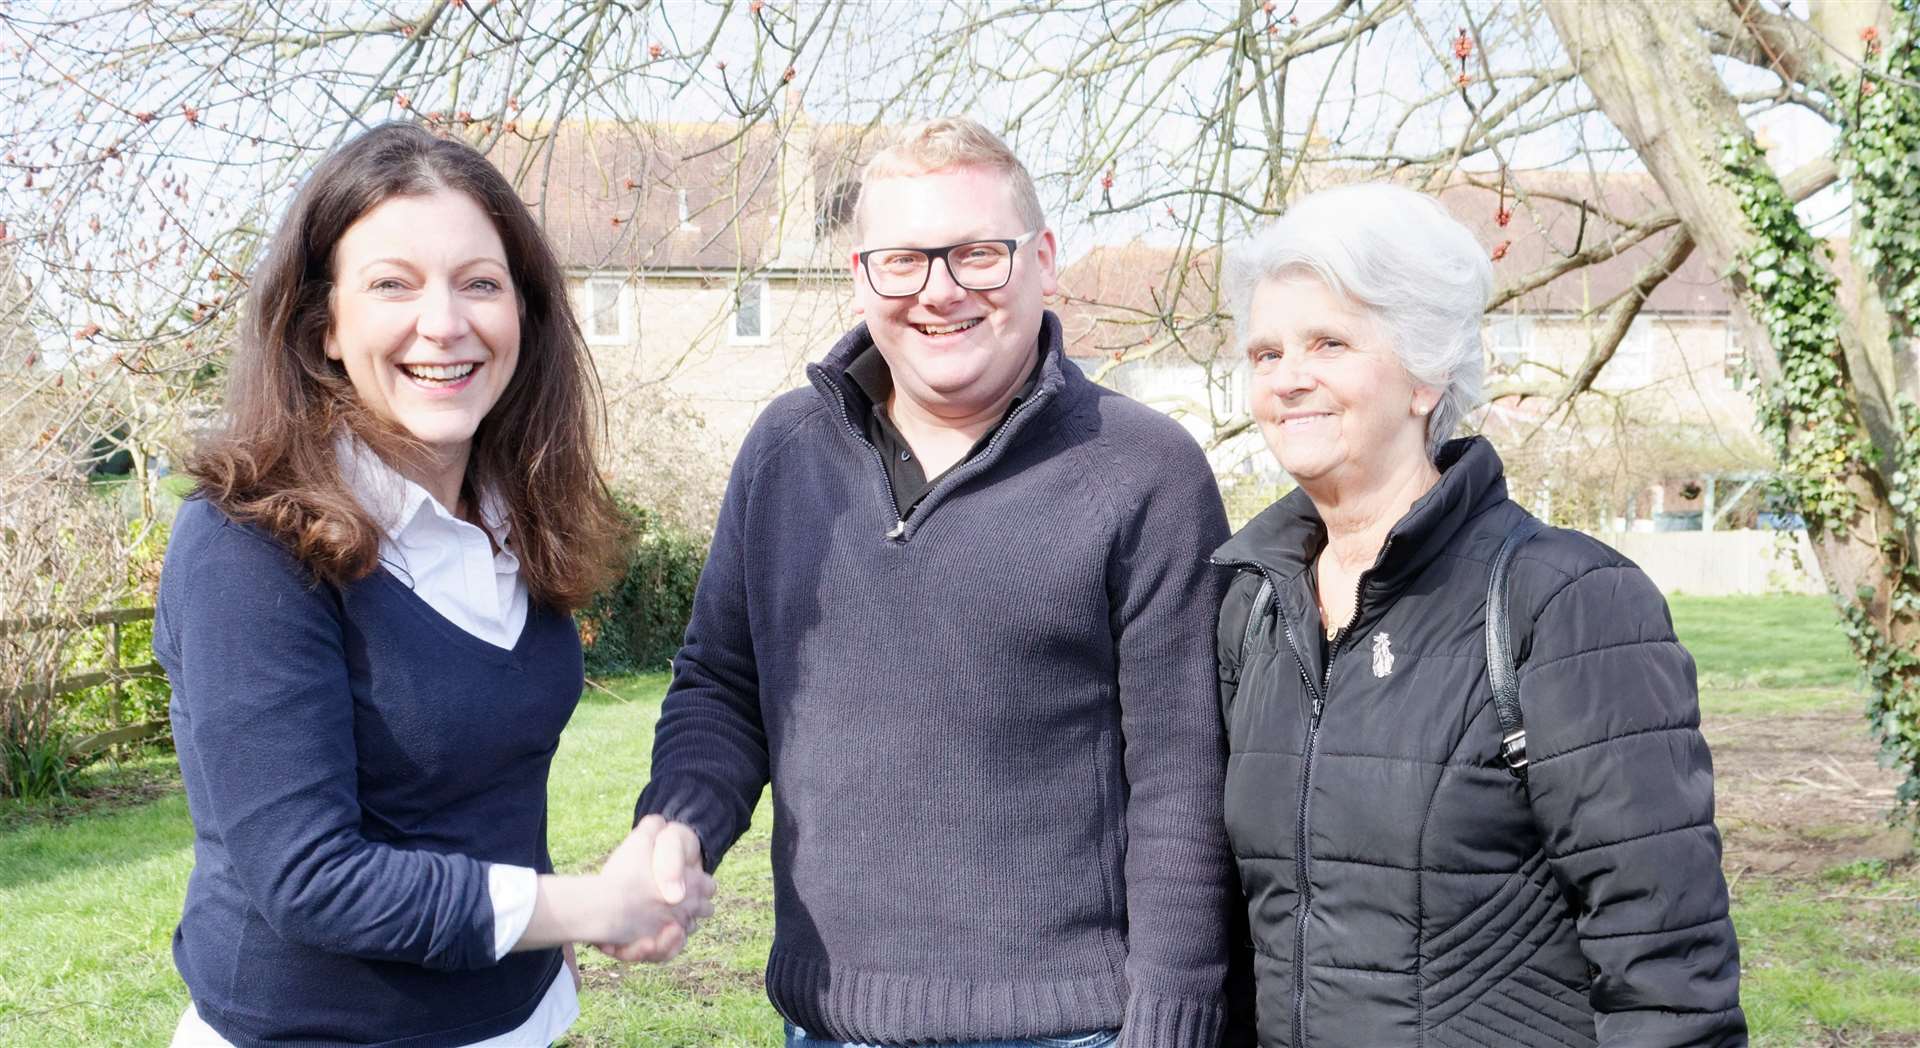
x,y
664,888
645,902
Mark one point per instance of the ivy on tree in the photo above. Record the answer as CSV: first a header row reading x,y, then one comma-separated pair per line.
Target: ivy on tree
x,y
1805,411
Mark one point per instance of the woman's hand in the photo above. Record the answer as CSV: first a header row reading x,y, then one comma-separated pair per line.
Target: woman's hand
x,y
573,965
666,890
624,905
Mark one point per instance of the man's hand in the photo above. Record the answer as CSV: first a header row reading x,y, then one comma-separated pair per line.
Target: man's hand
x,y
677,861
660,865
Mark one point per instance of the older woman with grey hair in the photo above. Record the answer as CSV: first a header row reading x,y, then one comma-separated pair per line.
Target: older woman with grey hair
x,y
1425,862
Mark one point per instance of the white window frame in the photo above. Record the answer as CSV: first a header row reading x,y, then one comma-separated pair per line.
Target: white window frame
x,y
1733,356
1632,363
1228,392
595,286
765,334
1510,341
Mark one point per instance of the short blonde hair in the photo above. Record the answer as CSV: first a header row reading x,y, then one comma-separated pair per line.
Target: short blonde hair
x,y
942,144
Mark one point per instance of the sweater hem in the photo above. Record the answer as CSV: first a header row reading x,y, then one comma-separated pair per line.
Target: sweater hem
x,y
243,1030
909,1008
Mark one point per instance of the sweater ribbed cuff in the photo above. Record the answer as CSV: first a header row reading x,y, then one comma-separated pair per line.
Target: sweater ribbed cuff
x,y
1154,1021
714,819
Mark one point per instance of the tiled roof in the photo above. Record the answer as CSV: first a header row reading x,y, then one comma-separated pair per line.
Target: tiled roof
x,y
610,197
1112,290
1545,227
1112,297
609,193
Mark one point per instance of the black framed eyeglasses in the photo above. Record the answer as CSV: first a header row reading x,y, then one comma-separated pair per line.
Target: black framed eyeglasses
x,y
977,265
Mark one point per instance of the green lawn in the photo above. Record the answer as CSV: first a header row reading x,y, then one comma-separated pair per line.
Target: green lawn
x,y
1780,641
90,887
1837,962
713,994
88,903
1761,655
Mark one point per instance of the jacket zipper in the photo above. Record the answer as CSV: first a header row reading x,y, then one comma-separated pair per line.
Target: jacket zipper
x,y
971,466
1301,870
839,399
1301,865
898,531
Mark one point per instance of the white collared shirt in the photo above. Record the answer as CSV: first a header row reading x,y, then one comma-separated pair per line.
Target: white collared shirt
x,y
450,564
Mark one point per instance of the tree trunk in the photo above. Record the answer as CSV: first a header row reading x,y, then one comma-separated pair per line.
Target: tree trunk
x,y
1649,67
1882,370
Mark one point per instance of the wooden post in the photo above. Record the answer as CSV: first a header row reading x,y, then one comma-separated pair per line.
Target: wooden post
x,y
113,664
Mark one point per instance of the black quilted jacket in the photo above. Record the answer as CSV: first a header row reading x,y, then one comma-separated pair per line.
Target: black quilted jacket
x,y
1402,888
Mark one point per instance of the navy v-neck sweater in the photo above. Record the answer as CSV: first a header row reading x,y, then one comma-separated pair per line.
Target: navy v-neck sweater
x,y
353,762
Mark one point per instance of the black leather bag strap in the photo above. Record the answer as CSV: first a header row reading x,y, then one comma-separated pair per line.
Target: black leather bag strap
x,y
1260,599
1501,665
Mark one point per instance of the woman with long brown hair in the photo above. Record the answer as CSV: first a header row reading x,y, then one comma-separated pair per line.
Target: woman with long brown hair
x,y
365,616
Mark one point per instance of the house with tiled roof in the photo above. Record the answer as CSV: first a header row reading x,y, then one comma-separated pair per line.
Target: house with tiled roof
x,y
709,265
707,261
1158,330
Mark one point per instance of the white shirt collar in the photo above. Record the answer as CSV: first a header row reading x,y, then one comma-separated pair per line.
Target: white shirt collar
x,y
446,561
394,501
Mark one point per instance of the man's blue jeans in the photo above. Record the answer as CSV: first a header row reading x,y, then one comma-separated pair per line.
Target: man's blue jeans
x,y
797,1038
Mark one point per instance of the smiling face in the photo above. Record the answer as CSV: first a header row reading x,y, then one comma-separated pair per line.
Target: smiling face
x,y
1337,409
954,352
424,316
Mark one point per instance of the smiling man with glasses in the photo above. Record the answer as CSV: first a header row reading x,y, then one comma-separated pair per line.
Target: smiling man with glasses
x,y
958,611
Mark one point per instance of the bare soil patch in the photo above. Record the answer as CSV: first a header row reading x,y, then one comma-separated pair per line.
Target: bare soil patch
x,y
109,791
694,979
1797,794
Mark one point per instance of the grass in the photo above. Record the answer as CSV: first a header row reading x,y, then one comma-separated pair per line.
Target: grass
x,y
90,887
89,906
90,890
150,774
712,997
1835,962
1761,656
1780,642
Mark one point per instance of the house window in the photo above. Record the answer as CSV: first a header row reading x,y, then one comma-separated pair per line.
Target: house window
x,y
1733,361
1509,339
686,215
1632,362
750,308
1227,382
606,309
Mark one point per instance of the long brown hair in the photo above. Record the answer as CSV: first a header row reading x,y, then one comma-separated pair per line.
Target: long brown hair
x,y
274,463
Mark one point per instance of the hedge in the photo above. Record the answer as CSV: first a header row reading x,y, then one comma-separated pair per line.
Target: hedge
x,y
637,623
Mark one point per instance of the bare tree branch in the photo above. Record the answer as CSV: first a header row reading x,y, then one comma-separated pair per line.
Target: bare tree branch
x,y
1801,183
1619,317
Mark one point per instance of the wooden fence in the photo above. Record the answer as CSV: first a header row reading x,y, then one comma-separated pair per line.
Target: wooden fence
x,y
113,674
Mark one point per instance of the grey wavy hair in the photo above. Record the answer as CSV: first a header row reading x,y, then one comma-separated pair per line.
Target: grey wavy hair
x,y
1397,253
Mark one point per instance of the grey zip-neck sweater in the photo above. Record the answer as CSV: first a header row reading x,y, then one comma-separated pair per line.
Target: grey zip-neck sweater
x,y
991,729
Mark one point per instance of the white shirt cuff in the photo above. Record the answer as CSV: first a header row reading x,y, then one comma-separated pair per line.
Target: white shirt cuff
x,y
513,891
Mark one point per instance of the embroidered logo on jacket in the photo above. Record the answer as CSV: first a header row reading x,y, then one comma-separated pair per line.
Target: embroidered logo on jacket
x,y
1382,655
